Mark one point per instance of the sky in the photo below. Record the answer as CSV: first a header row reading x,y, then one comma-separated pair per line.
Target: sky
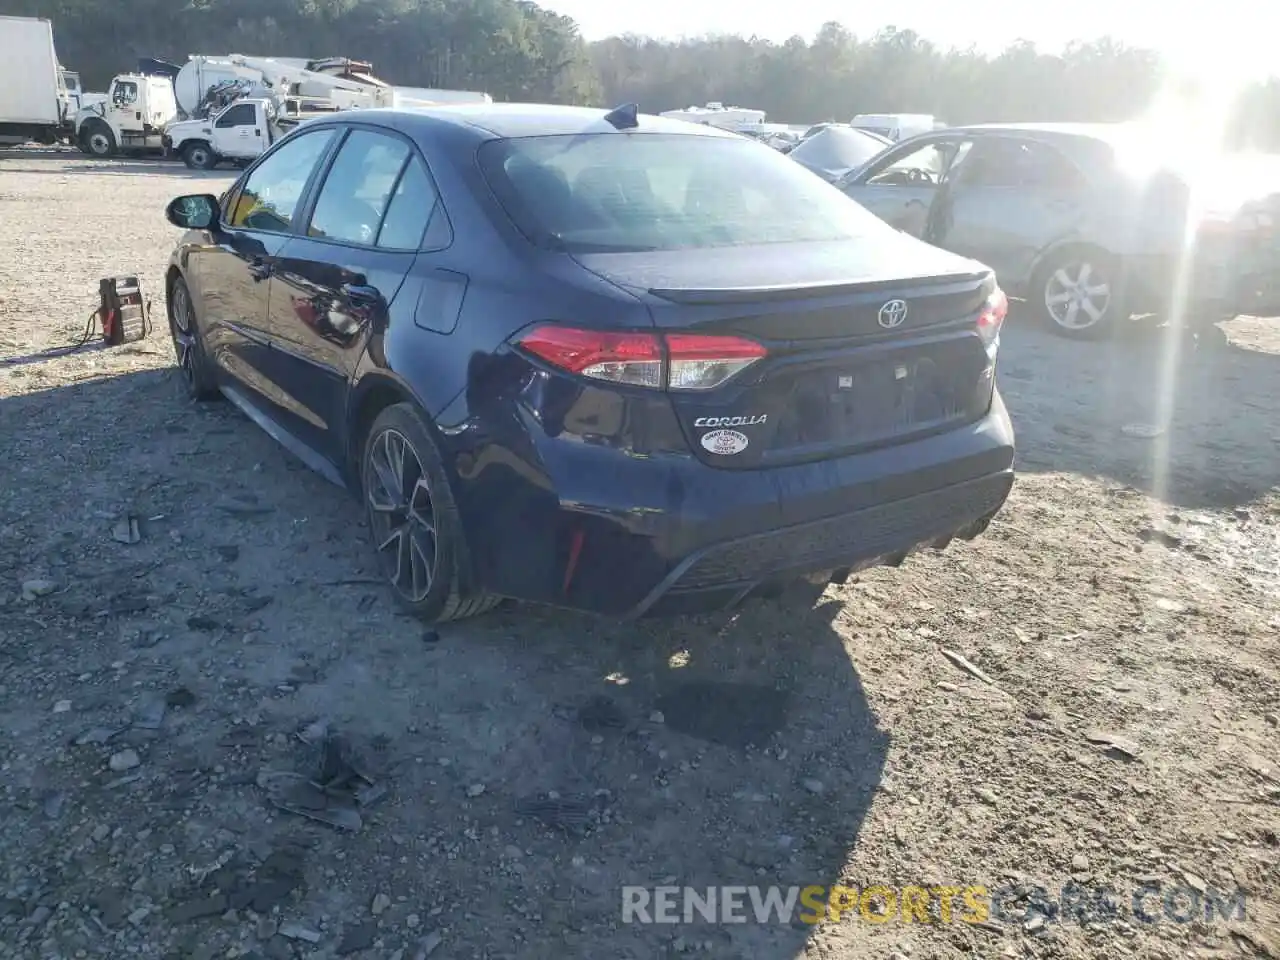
x,y
1201,37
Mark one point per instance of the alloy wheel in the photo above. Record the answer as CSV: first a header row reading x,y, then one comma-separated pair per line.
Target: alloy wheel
x,y
402,514
184,335
99,144
1077,295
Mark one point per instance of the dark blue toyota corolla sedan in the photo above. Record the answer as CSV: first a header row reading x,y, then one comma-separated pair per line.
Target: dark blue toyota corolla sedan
x,y
600,360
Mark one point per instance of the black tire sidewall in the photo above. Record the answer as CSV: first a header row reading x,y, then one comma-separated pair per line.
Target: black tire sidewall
x,y
447,581
1103,328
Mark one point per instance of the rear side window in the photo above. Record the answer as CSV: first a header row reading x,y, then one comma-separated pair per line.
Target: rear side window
x,y
640,192
413,204
358,188
1007,162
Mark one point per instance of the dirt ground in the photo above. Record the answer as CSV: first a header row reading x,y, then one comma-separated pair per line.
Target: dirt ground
x,y
156,696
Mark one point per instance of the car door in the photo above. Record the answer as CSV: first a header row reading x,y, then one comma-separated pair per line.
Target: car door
x,y
257,218
339,280
900,186
1005,202
240,131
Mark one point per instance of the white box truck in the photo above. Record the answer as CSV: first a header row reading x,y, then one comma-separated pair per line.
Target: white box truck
x,y
33,94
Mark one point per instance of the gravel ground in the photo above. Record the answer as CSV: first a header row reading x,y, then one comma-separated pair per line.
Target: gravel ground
x,y
1084,699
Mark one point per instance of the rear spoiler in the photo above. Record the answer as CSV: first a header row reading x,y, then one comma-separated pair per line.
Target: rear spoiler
x,y
756,294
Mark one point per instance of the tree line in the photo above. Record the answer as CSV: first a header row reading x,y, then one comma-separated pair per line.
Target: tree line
x,y
516,50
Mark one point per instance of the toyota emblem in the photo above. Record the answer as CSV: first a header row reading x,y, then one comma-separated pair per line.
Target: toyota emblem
x,y
892,314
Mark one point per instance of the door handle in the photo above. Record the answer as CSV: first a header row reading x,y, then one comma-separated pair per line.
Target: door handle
x,y
361,294
259,269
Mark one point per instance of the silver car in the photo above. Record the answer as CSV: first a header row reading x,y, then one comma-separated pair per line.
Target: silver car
x,y
1090,223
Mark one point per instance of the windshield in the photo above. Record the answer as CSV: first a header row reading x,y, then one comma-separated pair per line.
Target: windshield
x,y
642,192
838,149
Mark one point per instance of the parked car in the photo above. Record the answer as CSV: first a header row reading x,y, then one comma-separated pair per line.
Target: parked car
x,y
897,126
837,150
1090,223
606,361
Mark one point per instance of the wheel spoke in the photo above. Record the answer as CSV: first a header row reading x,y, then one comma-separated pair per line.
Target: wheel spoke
x,y
422,549
1082,278
1063,277
383,465
392,539
1099,290
1073,311
395,457
1089,307
404,559
1060,297
420,510
381,502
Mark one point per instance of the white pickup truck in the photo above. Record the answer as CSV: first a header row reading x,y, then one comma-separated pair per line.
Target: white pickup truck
x,y
239,132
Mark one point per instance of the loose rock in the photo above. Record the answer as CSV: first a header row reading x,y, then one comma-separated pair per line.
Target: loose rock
x,y
32,589
124,760
298,931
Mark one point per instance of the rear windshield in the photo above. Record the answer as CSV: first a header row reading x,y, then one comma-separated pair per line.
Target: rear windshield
x,y
642,192
838,148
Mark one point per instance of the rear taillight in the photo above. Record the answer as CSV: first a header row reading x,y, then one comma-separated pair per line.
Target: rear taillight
x,y
632,358
677,361
991,318
700,362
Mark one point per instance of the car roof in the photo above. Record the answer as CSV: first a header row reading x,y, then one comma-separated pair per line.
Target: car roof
x,y
503,120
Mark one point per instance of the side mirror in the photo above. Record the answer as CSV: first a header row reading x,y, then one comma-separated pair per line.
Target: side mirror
x,y
195,212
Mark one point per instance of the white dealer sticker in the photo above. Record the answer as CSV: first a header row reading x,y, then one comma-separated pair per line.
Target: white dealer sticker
x,y
725,442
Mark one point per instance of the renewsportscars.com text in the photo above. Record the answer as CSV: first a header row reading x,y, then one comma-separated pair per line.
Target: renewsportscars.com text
x,y
973,904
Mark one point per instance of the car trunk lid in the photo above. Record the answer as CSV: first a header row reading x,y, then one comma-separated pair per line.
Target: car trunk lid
x,y
869,343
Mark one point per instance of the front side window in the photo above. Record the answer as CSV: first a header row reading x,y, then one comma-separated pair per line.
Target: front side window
x,y
270,195
358,187
643,192
126,92
922,166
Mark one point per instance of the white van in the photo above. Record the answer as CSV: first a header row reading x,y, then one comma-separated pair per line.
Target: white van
x,y
896,126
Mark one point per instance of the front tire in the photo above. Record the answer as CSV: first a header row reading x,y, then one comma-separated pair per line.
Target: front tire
x,y
197,370
414,521
1079,294
199,156
97,140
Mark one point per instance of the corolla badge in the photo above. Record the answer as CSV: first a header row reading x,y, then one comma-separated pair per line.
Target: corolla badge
x,y
725,442
892,314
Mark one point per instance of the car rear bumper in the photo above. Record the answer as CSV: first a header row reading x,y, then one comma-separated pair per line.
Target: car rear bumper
x,y
723,573
599,530
1213,288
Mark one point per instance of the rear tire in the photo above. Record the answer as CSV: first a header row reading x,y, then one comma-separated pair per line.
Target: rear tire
x,y
198,155
1080,294
414,521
